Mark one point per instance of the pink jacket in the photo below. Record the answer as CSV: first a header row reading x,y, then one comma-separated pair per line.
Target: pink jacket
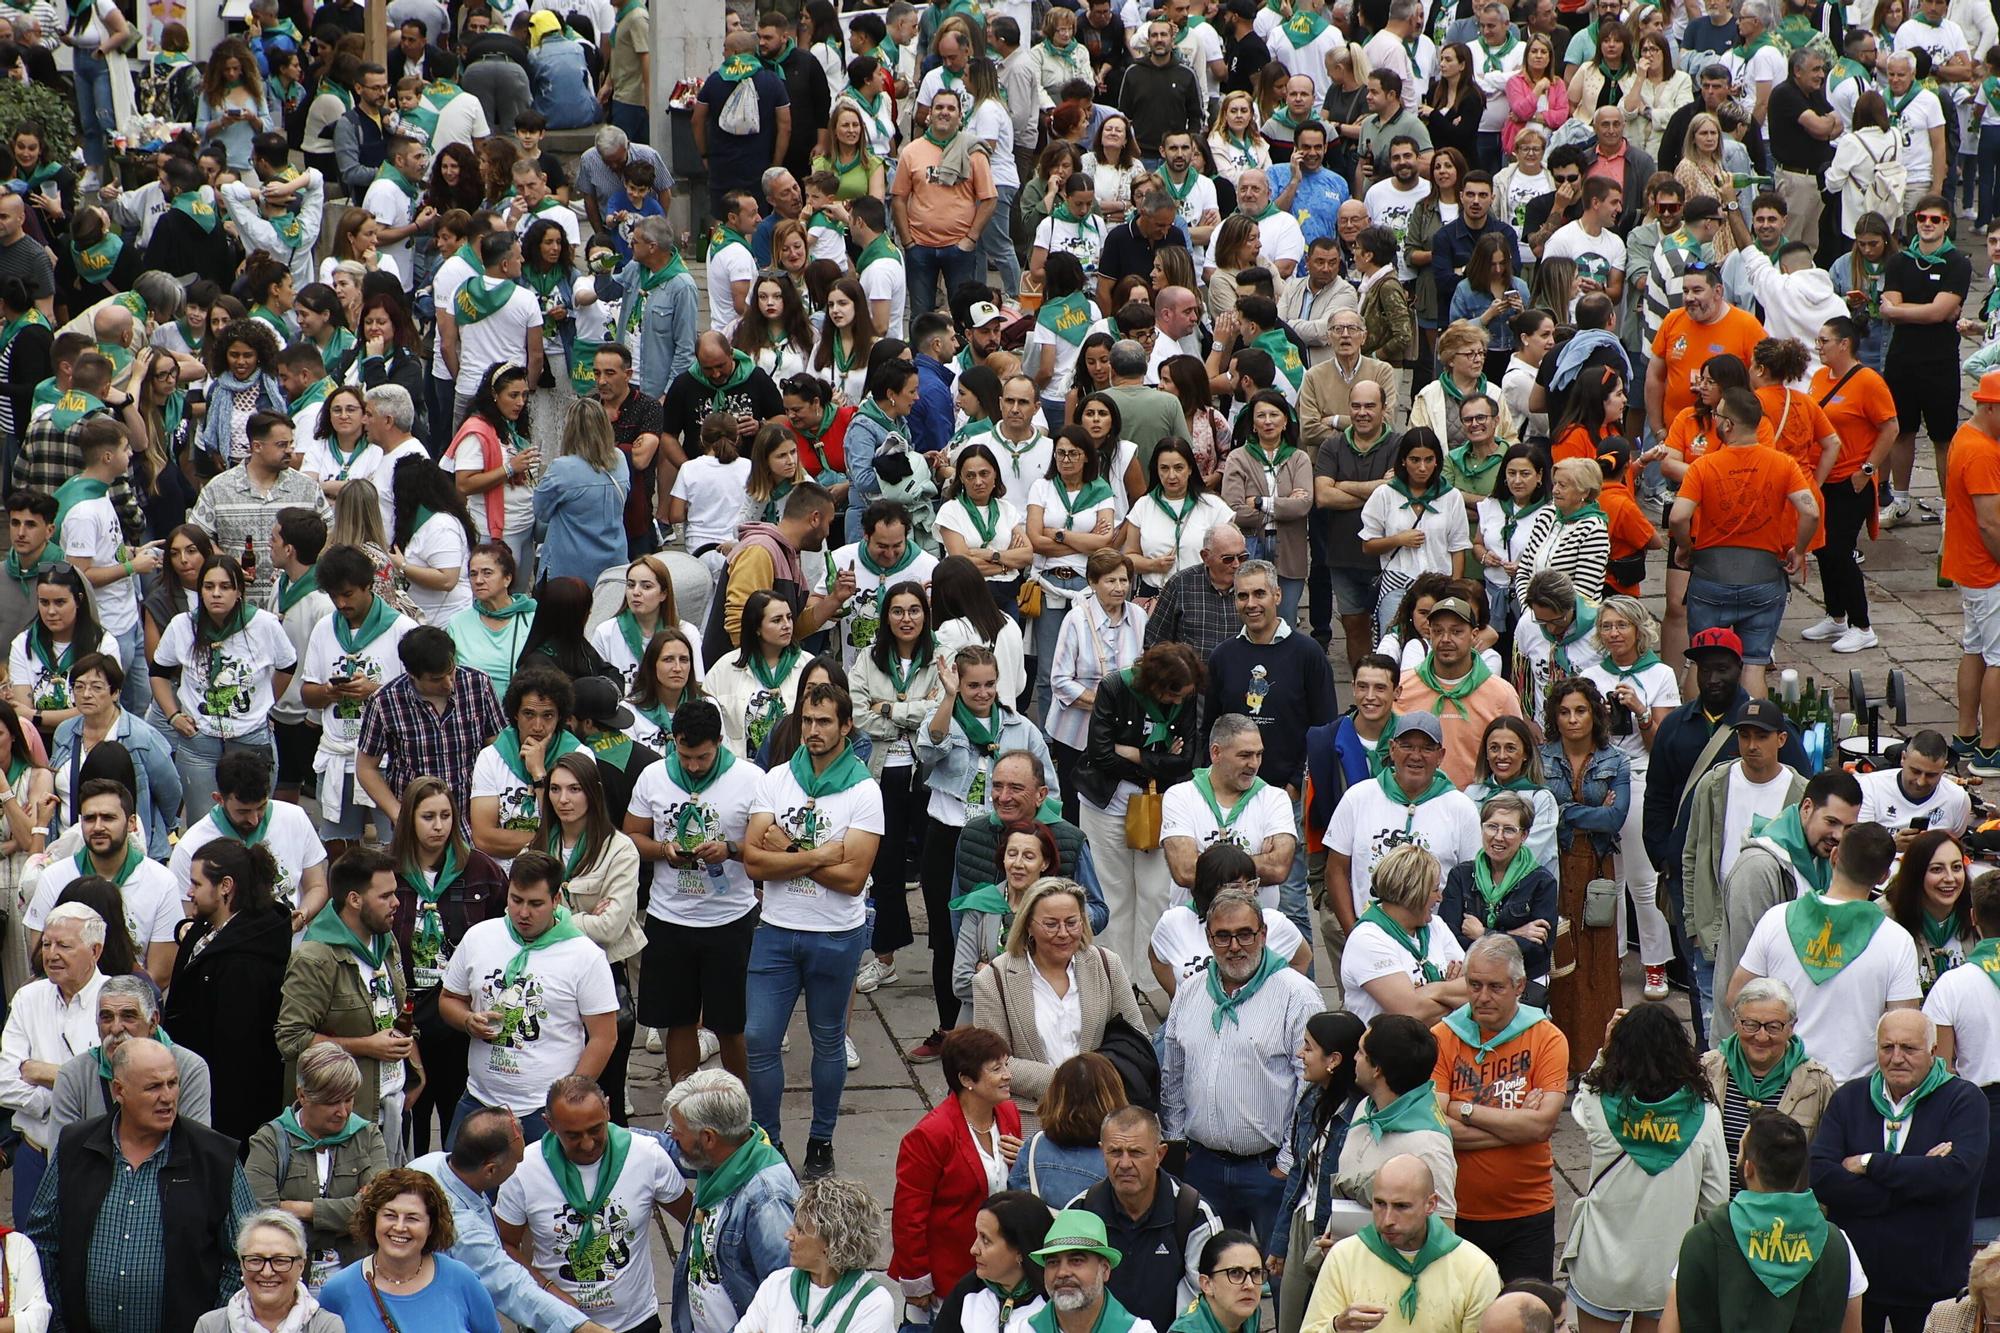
x,y
1521,102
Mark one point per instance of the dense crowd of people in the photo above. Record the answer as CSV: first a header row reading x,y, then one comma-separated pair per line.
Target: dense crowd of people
x,y
492,648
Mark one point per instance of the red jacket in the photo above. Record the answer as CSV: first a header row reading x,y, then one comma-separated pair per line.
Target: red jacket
x,y
940,1186
833,444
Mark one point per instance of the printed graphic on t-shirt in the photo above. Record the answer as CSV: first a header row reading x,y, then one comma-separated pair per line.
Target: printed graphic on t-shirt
x,y
592,1268
227,695
522,1007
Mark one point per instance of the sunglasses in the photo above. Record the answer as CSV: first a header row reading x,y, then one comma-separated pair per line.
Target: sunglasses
x,y
1937,219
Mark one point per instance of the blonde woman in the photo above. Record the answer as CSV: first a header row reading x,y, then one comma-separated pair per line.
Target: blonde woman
x,y
1234,142
1059,57
1050,949
357,522
1536,94
1702,171
1461,359
580,501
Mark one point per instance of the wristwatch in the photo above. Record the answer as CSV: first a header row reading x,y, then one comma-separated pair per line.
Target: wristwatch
x,y
1465,1111
1867,469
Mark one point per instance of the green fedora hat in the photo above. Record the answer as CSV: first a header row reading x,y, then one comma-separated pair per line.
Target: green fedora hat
x,y
1076,1229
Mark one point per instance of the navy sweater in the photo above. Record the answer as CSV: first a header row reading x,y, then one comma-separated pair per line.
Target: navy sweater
x,y
1909,1216
1676,746
1293,695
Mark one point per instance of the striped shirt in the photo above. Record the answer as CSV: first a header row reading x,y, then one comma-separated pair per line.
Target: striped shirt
x,y
232,510
1233,1088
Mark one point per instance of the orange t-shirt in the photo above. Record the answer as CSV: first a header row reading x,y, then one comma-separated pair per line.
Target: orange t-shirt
x,y
1741,498
1688,438
1575,443
1685,346
1973,470
1630,528
1518,1180
1805,426
1857,413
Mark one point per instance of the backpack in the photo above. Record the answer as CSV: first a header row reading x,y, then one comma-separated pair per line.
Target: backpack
x,y
741,113
1882,192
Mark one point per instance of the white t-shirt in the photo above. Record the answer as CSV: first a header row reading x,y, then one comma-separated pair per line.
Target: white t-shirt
x,y
860,620
293,841
1184,814
806,904
1084,240
1943,41
151,899
385,479
1656,686
883,280
1371,954
391,207
1516,190
1059,353
517,499
1747,799
50,689
1278,239
1200,199
1390,206
714,493
954,517
91,529
1180,941
1159,534
866,1308
1444,526
991,123
501,336
1054,516
609,641
726,267
1310,59
226,687
326,662
1767,65
1837,1017
1883,802
1367,826
714,895
320,465
1966,1001
1912,126
1021,465
621,1292
520,803
440,544
450,276
542,1012
1597,257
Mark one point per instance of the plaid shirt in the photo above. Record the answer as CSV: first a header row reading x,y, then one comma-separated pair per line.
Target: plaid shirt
x,y
126,1275
50,456
231,509
1191,611
413,740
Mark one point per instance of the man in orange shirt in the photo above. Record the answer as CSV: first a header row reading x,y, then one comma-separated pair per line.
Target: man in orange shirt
x,y
943,197
1502,1070
1706,325
1863,412
1757,512
1971,559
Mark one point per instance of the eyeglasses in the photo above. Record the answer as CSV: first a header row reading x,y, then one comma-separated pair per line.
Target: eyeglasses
x,y
1499,830
1242,1277
1750,1027
1474,418
1235,938
276,1263
1937,219
1231,559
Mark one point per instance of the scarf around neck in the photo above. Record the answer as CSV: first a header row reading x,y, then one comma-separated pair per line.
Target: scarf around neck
x,y
1439,1240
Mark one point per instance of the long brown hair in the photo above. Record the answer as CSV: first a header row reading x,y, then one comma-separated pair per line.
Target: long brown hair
x,y
646,685
1904,899
597,828
403,847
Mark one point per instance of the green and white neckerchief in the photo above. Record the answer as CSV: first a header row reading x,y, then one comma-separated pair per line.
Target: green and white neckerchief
x,y
1493,892
562,928
738,67
1439,1241
1895,1121
1512,515
344,462
28,318
1093,494
1189,504
1180,190
197,208
1477,673
392,173
1828,936
852,1287
588,1252
1765,1090
1654,1134
650,281
1225,821
1417,945
508,744
1283,355
95,262
1304,28
1089,224
1492,62
1068,317
291,593
86,864
1781,1236
1160,722
1915,252
985,518
480,296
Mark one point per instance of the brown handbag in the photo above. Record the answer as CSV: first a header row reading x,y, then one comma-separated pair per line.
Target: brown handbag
x,y
1142,819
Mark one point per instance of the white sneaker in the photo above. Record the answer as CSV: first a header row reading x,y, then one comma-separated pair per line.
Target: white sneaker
x,y
92,182
1825,630
1896,513
655,1044
853,1056
1855,640
708,1044
874,973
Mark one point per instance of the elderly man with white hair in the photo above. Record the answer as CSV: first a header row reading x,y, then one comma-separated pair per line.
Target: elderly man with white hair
x,y
388,415
1897,1164
127,1007
1758,65
49,1021
599,172
745,1193
1763,1064
661,312
1281,244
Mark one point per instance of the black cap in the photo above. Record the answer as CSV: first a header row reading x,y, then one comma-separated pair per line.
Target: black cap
x,y
596,700
1759,713
1701,208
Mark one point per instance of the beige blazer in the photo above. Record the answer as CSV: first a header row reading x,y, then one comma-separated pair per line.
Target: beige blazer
x,y
620,929
1003,997
1805,1096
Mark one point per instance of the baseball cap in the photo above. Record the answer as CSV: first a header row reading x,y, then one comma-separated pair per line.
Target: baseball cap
x,y
982,314
595,699
1759,713
1457,606
1718,640
1426,723
1989,388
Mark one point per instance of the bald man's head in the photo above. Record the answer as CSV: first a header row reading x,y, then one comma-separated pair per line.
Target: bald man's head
x,y
1517,1312
1404,1195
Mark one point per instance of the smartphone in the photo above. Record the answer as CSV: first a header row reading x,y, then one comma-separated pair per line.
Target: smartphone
x,y
1919,824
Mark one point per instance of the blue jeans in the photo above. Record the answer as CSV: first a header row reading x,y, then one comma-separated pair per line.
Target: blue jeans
x,y
1753,610
1294,898
784,963
93,109
196,757
1703,968
996,243
1243,1192
533,1126
634,120
137,696
924,263
30,1165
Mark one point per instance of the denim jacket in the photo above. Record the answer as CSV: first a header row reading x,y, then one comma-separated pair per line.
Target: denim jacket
x,y
1585,811
159,795
750,1242
1329,1161
562,84
1053,1173
951,765
580,519
667,327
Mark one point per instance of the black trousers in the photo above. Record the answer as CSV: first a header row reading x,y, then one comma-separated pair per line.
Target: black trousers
x,y
612,1080
1518,1246
444,1051
902,806
1319,580
940,859
1067,762
1898,1318
1847,512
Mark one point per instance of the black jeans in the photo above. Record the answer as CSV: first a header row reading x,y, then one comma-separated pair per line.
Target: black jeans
x,y
1847,512
902,805
940,861
1899,1318
1319,579
1067,762
1518,1246
444,1051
